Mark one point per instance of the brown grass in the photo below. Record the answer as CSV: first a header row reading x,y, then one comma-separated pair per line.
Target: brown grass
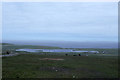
x,y
51,59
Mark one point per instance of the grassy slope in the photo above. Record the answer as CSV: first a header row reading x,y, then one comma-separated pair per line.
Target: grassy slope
x,y
30,66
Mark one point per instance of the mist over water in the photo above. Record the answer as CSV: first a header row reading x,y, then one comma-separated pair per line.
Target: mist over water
x,y
68,44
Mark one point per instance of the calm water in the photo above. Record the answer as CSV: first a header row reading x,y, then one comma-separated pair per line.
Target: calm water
x,y
53,50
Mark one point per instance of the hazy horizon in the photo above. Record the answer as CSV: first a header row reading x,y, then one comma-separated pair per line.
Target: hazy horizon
x,y
67,44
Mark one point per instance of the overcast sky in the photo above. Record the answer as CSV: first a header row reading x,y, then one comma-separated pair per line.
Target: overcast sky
x,y
60,21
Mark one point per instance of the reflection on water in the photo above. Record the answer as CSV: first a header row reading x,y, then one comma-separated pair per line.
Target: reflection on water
x,y
54,50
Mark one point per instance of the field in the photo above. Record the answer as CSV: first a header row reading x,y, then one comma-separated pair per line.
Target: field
x,y
57,65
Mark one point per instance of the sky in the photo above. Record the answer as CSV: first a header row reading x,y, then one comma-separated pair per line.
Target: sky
x,y
60,21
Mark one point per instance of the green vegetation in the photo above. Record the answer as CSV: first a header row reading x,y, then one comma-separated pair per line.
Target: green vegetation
x,y
31,66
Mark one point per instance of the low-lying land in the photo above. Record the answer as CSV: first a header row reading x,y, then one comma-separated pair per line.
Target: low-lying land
x,y
58,65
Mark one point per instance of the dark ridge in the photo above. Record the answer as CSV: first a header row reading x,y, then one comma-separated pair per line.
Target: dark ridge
x,y
6,44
